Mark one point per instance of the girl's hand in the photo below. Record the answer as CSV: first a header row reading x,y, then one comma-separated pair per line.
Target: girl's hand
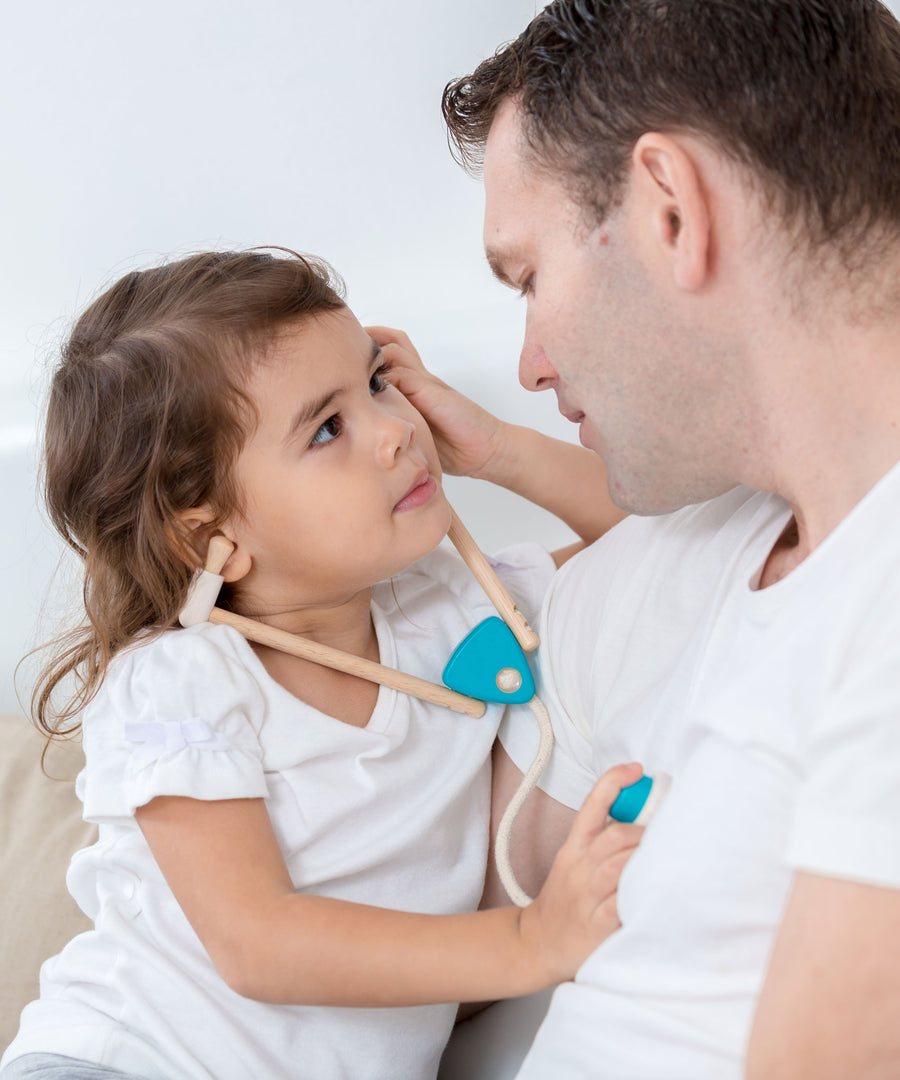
x,y
576,909
469,439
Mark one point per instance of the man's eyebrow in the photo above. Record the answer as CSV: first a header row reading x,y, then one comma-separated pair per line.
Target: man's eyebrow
x,y
312,409
497,261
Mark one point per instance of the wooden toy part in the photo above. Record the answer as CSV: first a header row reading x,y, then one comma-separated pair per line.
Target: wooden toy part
x,y
217,555
220,547
486,577
295,645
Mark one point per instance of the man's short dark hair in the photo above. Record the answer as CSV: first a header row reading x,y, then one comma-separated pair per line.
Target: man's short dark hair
x,y
805,93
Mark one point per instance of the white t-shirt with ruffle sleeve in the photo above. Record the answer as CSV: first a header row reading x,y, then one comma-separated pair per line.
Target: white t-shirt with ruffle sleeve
x,y
394,814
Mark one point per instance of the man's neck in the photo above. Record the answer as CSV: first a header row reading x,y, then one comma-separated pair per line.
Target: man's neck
x,y
833,428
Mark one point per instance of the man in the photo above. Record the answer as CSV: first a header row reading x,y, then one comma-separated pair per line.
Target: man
x,y
700,202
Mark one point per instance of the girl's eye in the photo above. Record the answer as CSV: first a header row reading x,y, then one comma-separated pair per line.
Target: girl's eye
x,y
328,431
527,286
379,382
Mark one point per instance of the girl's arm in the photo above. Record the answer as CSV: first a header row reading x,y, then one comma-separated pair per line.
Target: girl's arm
x,y
567,480
270,943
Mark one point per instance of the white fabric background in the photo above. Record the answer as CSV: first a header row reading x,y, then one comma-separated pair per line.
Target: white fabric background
x,y
133,132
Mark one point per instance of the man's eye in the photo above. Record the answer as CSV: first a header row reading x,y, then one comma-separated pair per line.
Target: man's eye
x,y
379,381
328,431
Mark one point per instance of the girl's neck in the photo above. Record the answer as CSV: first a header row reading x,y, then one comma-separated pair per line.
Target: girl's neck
x,y
344,623
346,626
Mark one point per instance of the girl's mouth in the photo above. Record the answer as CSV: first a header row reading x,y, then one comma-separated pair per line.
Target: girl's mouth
x,y
419,494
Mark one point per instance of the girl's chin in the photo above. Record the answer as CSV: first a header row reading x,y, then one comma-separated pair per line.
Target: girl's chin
x,y
432,526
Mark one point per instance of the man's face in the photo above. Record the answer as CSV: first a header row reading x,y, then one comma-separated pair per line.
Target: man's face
x,y
604,329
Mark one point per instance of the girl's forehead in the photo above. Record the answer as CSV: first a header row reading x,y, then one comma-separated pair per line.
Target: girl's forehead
x,y
313,361
334,335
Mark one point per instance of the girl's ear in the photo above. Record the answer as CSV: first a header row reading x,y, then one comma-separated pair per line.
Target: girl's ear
x,y
191,536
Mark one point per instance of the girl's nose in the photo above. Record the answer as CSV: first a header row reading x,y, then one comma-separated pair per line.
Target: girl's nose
x,y
394,436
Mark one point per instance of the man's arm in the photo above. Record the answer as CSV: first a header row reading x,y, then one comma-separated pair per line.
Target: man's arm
x,y
830,1004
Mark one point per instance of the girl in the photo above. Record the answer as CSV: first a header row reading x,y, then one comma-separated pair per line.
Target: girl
x,y
278,840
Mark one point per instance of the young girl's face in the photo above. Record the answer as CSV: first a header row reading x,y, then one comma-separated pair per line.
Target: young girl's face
x,y
341,480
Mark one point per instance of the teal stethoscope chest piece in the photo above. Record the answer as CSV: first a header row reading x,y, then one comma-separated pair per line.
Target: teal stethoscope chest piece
x,y
489,664
631,800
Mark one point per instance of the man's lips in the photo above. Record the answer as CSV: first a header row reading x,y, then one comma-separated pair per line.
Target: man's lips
x,y
572,415
421,491
576,416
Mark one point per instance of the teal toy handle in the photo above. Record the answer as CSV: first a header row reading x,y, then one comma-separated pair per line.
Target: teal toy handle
x,y
637,803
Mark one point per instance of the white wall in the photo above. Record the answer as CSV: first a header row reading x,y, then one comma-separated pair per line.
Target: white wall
x,y
136,131
133,131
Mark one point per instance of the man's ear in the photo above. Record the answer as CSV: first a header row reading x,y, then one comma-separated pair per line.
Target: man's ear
x,y
673,206
191,535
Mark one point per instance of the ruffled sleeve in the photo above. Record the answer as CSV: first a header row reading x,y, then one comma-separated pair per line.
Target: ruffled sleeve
x,y
180,715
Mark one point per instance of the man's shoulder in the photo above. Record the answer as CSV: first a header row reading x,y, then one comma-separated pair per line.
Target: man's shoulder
x,y
715,529
730,515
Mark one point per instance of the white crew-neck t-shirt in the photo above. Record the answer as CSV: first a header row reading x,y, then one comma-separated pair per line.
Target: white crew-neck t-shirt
x,y
777,713
394,814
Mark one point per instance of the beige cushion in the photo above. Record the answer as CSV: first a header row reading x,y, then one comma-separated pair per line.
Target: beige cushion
x,y
40,829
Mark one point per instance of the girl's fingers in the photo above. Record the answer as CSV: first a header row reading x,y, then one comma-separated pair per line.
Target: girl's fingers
x,y
594,813
384,335
390,338
605,877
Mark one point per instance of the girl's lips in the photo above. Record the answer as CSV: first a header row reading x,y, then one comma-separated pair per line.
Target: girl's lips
x,y
417,496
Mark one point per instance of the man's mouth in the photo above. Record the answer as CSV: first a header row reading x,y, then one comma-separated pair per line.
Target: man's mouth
x,y
574,416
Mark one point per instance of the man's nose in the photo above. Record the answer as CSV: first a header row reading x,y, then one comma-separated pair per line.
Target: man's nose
x,y
535,370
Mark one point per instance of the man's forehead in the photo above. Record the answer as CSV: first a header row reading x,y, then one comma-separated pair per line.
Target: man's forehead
x,y
504,147
521,199
506,185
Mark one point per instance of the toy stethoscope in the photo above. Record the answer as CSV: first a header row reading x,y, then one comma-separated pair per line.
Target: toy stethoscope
x,y
488,665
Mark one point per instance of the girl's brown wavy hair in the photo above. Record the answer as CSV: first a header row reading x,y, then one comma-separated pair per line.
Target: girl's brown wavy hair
x,y
146,415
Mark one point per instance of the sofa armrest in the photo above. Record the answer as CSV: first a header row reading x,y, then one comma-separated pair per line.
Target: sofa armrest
x,y
40,829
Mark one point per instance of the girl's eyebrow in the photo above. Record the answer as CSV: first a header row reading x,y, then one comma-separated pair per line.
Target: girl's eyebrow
x,y
308,412
312,409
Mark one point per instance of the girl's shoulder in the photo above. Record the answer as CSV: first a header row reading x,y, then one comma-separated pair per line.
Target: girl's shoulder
x,y
179,713
178,671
